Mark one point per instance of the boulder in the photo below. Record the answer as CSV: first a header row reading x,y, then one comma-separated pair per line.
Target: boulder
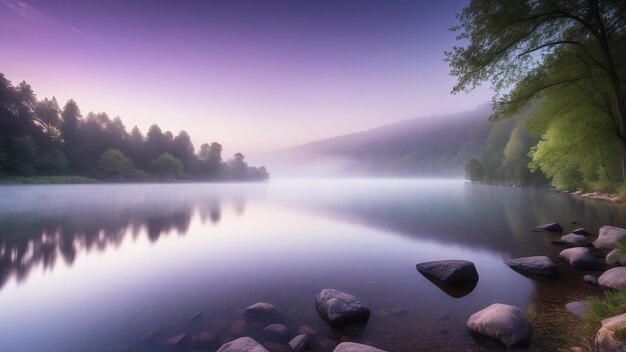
x,y
580,258
452,272
242,344
501,323
264,312
576,240
355,347
276,333
613,278
339,309
605,340
616,257
590,279
608,237
579,309
539,265
299,343
551,227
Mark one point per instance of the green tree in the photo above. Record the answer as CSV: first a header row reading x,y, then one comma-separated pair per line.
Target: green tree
x,y
23,160
475,170
167,167
514,45
114,165
48,116
4,158
52,163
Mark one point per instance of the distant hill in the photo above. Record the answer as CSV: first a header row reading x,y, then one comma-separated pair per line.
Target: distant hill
x,y
437,145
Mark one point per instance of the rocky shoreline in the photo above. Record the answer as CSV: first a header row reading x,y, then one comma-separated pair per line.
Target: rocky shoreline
x,y
261,327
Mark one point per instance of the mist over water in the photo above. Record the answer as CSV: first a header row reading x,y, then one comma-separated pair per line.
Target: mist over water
x,y
96,267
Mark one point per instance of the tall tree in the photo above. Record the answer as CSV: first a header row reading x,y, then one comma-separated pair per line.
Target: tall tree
x,y
513,43
48,116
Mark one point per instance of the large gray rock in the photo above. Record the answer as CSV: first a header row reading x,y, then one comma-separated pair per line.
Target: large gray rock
x,y
613,278
242,344
608,237
579,309
299,343
606,340
539,265
452,272
355,347
501,323
339,309
576,240
264,312
580,258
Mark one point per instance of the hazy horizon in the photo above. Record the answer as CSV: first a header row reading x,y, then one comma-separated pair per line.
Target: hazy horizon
x,y
255,77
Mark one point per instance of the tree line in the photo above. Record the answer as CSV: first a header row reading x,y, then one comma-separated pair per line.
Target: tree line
x,y
39,138
564,64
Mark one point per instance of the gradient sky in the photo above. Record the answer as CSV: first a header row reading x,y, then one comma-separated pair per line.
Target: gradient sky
x,y
254,75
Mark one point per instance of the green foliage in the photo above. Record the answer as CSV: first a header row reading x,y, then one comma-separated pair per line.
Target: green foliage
x,y
475,170
45,180
113,165
4,159
23,156
53,163
620,334
167,167
613,303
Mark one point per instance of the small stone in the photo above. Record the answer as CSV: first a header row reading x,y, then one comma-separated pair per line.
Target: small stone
x,y
339,309
576,240
551,227
242,344
355,347
608,237
538,265
299,343
276,333
307,330
578,309
239,328
580,258
613,278
265,312
590,279
207,339
582,231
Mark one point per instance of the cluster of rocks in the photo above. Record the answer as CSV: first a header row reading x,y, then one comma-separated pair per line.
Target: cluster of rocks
x,y
261,329
507,324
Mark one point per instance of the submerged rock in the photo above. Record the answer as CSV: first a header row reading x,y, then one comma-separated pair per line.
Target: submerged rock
x,y
613,278
501,323
206,339
299,343
551,227
580,258
580,309
539,265
339,309
608,237
355,347
196,318
276,333
605,340
242,344
590,279
451,272
179,342
239,328
582,231
576,240
264,312
307,330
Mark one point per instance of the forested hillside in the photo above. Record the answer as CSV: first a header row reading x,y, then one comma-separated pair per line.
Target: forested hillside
x,y
38,138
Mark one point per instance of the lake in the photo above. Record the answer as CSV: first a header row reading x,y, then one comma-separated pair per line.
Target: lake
x,y
97,267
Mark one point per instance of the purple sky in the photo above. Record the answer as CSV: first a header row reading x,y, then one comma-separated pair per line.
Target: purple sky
x,y
254,75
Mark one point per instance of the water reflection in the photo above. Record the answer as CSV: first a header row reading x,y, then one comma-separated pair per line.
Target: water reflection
x,y
42,225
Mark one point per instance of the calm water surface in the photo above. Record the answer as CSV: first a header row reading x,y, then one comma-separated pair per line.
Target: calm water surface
x,y
95,267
